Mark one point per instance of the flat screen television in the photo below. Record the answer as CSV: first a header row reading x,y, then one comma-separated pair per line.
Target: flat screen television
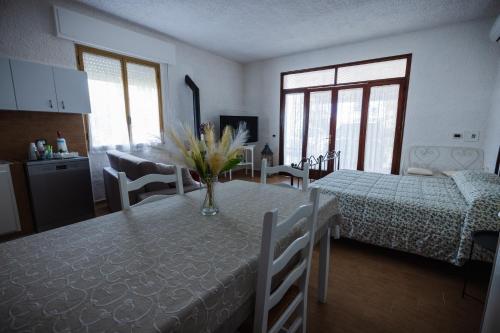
x,y
252,125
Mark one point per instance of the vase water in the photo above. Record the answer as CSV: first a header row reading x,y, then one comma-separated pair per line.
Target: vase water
x,y
209,207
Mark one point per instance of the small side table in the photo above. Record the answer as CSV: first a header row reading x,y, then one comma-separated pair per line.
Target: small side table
x,y
248,162
488,240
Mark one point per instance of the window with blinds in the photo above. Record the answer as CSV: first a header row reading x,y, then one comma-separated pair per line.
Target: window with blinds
x,y
124,97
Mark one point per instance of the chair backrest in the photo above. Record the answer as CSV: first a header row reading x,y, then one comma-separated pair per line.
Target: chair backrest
x,y
126,186
273,231
267,170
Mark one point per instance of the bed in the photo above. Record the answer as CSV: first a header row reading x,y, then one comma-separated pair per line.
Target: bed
x,y
432,216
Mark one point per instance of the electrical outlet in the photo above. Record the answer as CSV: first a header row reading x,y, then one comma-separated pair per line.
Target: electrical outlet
x,y
471,136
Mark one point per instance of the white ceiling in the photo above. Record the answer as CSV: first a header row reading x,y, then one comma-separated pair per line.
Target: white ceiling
x,y
250,30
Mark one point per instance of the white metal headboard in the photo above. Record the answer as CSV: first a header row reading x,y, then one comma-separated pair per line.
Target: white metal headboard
x,y
441,158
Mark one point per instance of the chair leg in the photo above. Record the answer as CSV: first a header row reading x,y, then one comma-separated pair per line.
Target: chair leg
x,y
324,265
304,314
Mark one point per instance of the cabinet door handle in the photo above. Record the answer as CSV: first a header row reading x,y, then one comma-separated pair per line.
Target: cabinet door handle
x,y
62,104
50,104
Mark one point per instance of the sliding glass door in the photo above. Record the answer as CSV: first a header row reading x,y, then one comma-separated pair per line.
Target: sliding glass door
x,y
318,129
293,122
347,126
381,128
363,120
361,125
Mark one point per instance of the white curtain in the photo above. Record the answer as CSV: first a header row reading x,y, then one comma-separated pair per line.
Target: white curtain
x,y
381,127
293,131
108,127
307,79
318,135
372,71
108,120
143,97
348,126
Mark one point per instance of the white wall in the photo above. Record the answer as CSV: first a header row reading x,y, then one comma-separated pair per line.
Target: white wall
x,y
27,32
450,84
492,137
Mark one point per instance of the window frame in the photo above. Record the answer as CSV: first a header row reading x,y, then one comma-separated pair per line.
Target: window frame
x,y
367,84
80,49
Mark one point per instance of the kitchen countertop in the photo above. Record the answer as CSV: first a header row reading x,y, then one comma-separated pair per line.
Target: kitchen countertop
x,y
57,160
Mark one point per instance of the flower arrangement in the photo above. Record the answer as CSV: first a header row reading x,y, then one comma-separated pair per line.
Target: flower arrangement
x,y
208,156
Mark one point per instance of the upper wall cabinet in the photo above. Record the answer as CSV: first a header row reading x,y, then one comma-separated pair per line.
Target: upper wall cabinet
x,y
7,96
37,87
72,90
34,86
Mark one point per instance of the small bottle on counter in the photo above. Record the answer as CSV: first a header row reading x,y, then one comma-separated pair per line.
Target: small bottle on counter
x,y
48,152
32,152
61,143
40,149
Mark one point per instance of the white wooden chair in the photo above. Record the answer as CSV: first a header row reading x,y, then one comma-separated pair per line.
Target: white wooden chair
x,y
272,232
126,186
303,174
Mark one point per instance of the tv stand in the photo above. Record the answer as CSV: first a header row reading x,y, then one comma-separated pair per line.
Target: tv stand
x,y
248,151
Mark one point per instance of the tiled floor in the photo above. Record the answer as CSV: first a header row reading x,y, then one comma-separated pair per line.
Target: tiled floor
x,y
372,289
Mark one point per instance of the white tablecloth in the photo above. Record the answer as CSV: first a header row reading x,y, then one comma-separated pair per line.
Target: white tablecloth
x,y
157,267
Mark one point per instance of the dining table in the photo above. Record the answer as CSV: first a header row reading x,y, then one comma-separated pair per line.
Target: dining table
x,y
157,267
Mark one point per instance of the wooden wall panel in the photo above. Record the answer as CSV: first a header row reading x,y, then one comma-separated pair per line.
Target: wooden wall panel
x,y
18,129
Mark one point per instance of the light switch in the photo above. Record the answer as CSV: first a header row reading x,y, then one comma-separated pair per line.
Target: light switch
x,y
457,136
471,136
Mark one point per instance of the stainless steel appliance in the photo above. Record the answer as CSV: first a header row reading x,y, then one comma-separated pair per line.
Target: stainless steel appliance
x,y
60,192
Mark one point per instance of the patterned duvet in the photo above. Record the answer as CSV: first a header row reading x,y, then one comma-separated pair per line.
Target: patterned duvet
x,y
429,216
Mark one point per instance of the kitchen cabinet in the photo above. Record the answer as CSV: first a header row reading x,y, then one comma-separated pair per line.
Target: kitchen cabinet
x,y
34,86
38,87
7,96
72,90
8,207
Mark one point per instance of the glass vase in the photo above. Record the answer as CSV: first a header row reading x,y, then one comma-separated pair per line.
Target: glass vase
x,y
209,206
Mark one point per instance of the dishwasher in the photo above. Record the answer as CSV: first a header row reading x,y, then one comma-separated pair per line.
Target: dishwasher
x,y
60,192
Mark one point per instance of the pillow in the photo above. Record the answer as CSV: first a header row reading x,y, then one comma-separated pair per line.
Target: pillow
x,y
419,172
476,175
164,170
168,169
114,158
449,173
